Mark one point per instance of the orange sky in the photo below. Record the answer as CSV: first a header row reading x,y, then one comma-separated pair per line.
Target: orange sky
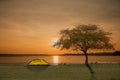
x,y
31,26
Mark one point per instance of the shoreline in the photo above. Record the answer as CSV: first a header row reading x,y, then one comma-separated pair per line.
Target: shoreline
x,y
24,64
116,53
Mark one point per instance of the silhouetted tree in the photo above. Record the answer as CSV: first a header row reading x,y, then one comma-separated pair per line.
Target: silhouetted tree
x,y
83,38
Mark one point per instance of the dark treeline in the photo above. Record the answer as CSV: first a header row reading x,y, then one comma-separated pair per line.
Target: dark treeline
x,y
116,53
24,54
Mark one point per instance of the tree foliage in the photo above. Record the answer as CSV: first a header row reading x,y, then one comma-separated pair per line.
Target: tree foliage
x,y
84,37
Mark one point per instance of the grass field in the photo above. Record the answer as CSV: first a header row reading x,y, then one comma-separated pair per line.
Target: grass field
x,y
60,72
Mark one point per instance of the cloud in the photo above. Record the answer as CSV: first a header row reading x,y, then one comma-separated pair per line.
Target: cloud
x,y
107,10
39,13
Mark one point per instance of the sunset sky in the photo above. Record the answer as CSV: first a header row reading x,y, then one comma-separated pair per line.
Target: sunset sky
x,y
32,26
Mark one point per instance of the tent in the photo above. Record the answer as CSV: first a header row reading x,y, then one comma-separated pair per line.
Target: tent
x,y
38,62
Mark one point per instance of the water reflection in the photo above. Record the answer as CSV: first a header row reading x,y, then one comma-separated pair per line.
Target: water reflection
x,y
55,60
60,59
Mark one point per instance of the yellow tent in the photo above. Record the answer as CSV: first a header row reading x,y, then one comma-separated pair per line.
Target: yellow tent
x,y
38,62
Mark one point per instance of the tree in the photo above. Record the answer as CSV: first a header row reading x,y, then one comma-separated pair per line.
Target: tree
x,y
83,38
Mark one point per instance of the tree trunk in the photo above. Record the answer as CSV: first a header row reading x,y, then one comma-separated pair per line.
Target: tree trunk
x,y
86,63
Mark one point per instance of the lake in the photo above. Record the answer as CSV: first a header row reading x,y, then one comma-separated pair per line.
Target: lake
x,y
76,59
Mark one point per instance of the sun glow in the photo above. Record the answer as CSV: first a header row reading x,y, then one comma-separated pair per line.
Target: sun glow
x,y
55,59
54,40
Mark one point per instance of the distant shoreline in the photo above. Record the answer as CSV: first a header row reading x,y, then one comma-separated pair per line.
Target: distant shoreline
x,y
117,53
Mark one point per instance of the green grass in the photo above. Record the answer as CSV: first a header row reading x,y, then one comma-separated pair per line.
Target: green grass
x,y
60,72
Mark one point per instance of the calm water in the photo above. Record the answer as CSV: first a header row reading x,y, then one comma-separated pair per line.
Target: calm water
x,y
60,59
